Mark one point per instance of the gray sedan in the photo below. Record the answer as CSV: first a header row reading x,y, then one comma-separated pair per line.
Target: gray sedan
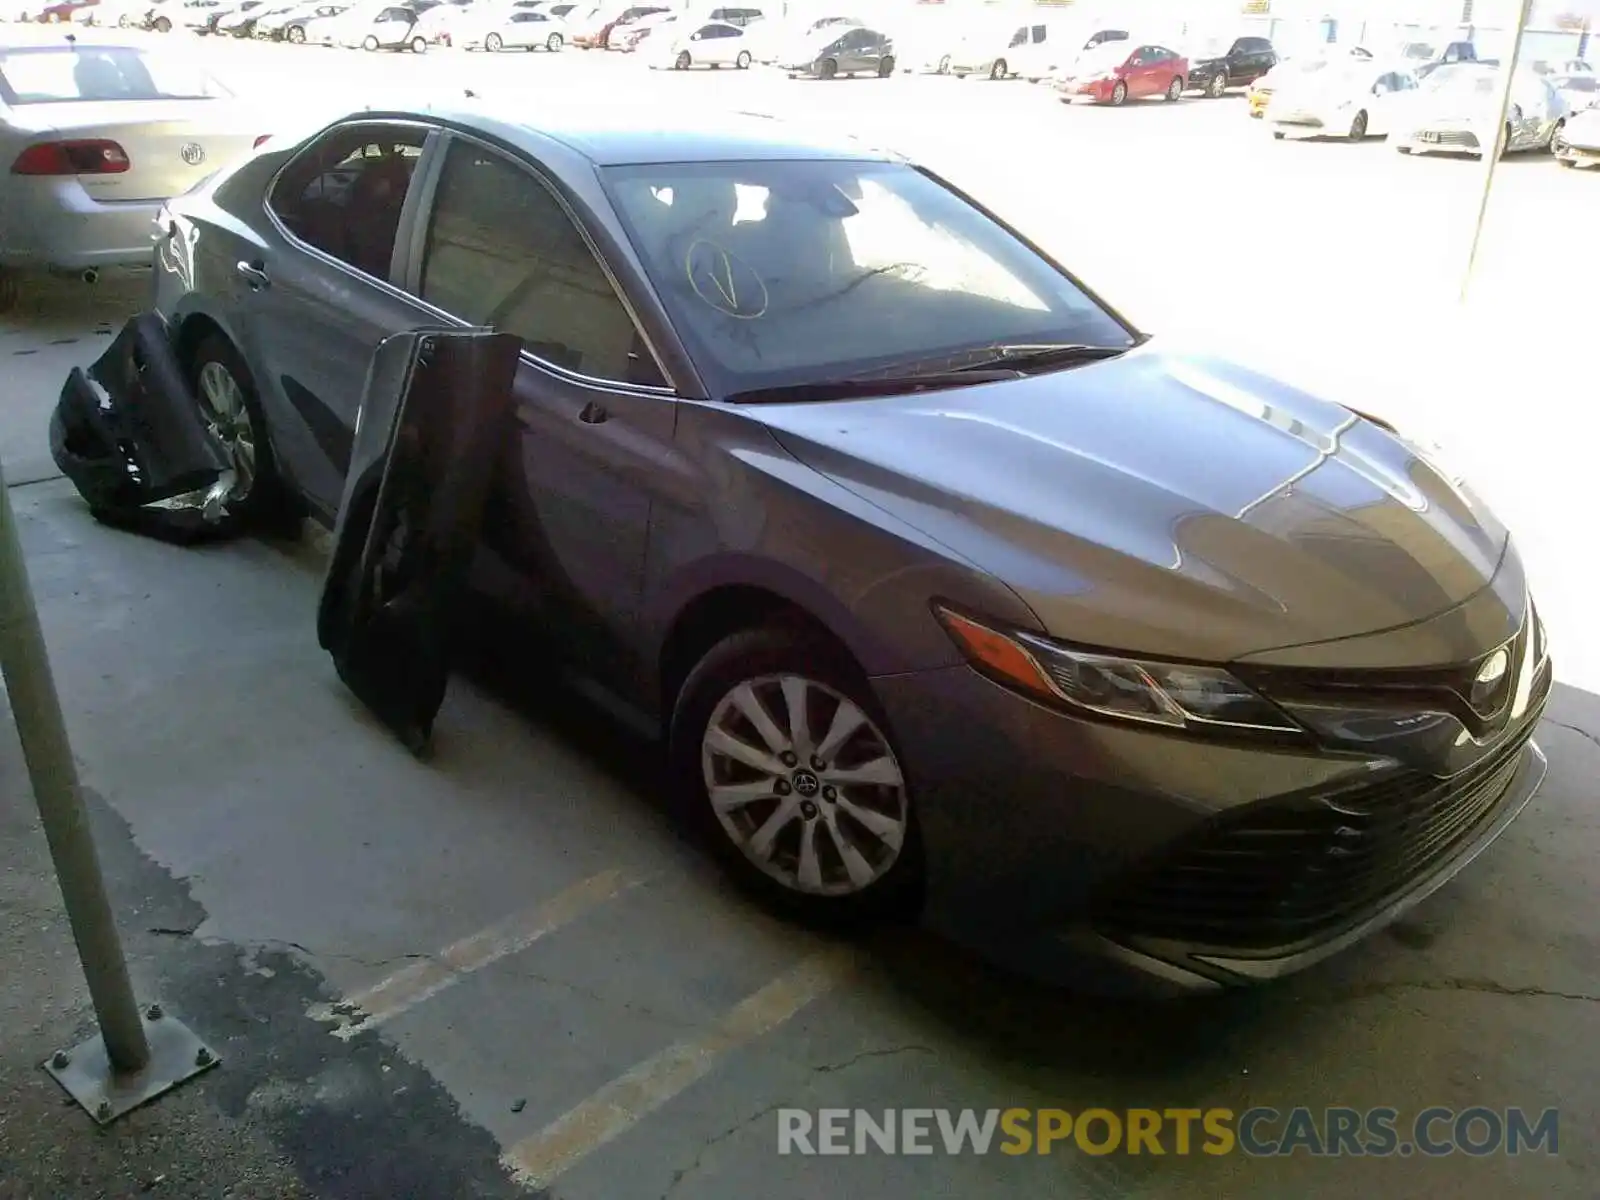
x,y
950,592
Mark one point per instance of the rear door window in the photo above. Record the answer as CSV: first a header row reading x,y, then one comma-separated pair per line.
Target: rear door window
x,y
344,193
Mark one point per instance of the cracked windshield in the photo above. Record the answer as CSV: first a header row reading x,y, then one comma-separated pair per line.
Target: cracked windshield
x,y
903,598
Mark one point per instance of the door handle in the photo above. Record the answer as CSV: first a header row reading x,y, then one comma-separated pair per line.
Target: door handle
x,y
254,274
593,414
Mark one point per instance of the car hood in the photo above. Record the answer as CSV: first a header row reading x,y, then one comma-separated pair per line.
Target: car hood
x,y
1166,504
1583,128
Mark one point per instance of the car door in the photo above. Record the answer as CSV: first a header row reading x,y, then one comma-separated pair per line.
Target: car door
x,y
1140,72
851,53
703,46
725,43
316,296
568,528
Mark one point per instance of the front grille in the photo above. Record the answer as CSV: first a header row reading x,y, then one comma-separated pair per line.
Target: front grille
x,y
1451,139
1283,872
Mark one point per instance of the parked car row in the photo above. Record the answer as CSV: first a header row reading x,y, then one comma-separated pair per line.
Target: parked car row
x,y
1452,108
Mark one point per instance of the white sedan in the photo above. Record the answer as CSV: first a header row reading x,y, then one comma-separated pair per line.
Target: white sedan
x,y
519,29
1457,108
1577,143
713,44
94,137
1352,99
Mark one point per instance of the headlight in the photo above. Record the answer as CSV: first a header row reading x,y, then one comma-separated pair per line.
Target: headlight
x,y
1172,695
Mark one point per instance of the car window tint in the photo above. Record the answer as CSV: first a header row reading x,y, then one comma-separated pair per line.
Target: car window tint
x,y
501,251
344,193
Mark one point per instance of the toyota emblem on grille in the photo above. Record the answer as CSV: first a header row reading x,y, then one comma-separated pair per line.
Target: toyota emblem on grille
x,y
192,153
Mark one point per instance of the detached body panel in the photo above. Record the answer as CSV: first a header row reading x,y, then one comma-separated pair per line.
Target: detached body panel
x,y
129,435
435,412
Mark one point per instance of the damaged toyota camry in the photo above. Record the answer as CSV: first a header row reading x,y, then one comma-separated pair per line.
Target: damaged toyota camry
x,y
951,592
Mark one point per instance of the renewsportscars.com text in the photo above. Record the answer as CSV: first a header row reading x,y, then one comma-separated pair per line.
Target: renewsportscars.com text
x,y
1259,1132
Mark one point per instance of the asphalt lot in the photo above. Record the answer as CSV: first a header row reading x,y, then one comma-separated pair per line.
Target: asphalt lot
x,y
552,975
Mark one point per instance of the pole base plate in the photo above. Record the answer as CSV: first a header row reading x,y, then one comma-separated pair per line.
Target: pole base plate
x,y
85,1072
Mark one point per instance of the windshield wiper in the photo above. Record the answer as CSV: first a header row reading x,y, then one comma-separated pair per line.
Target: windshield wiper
x,y
1022,355
878,385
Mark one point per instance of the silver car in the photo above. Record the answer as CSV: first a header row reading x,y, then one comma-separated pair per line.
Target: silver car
x,y
1456,109
949,591
94,136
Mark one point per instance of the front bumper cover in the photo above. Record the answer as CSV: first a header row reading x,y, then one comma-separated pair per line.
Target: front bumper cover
x,y
128,433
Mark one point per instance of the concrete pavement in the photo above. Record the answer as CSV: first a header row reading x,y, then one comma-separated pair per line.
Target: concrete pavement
x,y
505,970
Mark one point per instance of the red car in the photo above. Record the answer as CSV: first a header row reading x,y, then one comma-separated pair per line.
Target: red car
x,y
599,36
62,11
1112,73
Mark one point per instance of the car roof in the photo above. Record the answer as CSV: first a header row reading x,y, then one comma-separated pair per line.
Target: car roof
x,y
614,137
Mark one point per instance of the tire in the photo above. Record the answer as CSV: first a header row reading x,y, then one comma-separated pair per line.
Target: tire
x,y
827,69
1505,151
1175,89
369,43
886,67
682,62
264,498
553,43
1217,85
1557,141
494,43
419,45
1119,94
1358,127
944,66
742,63
998,69
296,35
163,25
760,669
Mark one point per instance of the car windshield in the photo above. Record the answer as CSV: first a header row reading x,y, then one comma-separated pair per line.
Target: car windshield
x,y
784,273
54,75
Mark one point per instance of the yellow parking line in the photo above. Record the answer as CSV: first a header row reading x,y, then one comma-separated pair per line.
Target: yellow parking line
x,y
620,1104
423,980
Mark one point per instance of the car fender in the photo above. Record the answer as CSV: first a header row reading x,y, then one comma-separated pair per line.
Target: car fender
x,y
864,573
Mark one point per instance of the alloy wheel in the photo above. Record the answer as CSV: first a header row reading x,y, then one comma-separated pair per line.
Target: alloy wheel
x,y
227,419
493,43
1219,84
1119,93
805,785
1358,127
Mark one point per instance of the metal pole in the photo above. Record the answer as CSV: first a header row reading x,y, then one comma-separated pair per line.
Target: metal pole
x,y
1492,157
36,708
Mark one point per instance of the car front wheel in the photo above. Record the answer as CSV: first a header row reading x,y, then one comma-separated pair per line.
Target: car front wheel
x,y
784,758
1175,89
232,416
1218,85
